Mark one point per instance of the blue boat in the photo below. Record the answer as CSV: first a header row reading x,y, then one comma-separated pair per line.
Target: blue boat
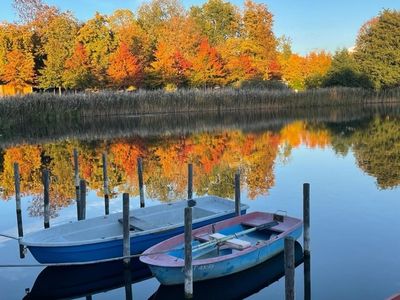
x,y
224,248
101,237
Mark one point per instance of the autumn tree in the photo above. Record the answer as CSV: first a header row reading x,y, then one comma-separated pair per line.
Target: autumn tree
x,y
99,43
377,49
78,73
170,66
124,68
59,40
207,66
18,70
259,40
218,20
317,65
127,30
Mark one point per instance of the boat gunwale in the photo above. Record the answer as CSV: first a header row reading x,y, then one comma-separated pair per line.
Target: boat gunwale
x,y
133,234
166,260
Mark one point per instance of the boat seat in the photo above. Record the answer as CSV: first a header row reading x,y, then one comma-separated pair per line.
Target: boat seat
x,y
138,224
232,243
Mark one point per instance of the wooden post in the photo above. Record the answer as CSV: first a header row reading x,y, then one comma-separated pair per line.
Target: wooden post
x,y
17,182
82,200
190,181
46,198
106,192
125,221
140,177
237,193
306,217
76,167
289,268
307,276
188,254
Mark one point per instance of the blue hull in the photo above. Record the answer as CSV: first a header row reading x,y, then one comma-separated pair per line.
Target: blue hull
x,y
175,275
110,249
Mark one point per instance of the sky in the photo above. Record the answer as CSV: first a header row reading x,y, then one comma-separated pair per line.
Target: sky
x,y
311,24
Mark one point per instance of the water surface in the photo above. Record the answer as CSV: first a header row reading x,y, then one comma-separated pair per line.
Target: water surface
x,y
351,159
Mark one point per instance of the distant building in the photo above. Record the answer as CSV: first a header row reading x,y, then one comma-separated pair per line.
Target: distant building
x,y
11,90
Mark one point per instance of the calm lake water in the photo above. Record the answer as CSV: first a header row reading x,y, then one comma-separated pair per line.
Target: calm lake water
x,y
351,159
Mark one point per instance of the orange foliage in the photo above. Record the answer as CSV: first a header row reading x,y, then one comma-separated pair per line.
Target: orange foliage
x,y
124,69
19,69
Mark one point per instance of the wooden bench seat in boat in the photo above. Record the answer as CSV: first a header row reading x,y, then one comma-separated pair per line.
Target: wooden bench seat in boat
x,y
138,224
232,243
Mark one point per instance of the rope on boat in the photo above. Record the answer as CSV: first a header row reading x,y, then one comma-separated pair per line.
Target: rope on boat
x,y
83,263
10,236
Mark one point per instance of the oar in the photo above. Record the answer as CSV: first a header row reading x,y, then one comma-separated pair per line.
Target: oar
x,y
235,235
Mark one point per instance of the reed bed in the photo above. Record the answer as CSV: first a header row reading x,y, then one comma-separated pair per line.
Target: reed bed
x,y
72,106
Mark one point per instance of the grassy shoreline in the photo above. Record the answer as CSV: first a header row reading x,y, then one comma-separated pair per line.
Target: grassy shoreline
x,y
75,106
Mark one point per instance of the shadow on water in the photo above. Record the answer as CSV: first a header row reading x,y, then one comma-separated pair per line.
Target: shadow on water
x,y
236,286
85,281
81,281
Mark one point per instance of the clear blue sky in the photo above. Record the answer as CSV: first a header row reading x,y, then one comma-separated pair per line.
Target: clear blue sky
x,y
311,24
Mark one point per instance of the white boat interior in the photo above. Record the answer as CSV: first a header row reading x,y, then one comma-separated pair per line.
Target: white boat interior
x,y
142,221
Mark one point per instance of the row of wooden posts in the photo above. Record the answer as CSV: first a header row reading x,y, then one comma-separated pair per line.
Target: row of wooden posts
x,y
80,187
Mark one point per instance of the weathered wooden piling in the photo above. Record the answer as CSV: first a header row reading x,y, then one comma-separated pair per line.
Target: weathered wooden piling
x,y
140,178
306,217
82,200
125,223
289,268
190,181
17,184
46,198
76,168
105,186
237,193
307,276
188,254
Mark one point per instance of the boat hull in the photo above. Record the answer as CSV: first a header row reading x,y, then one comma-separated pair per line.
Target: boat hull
x,y
110,249
175,275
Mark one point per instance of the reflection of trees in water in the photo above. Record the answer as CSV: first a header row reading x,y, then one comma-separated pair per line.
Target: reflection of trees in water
x,y
215,157
36,207
377,150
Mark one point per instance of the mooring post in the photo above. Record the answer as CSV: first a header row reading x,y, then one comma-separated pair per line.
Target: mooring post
x,y
307,276
306,217
125,221
289,268
140,178
105,179
237,193
46,198
76,167
17,183
190,181
188,254
82,200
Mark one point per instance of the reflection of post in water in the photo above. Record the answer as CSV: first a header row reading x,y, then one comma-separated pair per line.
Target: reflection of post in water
x,y
18,207
128,283
307,276
307,251
105,181
46,198
76,166
140,179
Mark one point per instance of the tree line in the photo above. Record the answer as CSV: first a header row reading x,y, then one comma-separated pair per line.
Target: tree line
x,y
164,45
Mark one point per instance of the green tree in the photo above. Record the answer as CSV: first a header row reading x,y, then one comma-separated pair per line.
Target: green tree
x,y
99,42
218,20
59,45
378,49
344,71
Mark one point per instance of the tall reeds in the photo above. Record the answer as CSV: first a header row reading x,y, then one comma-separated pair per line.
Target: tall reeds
x,y
70,106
